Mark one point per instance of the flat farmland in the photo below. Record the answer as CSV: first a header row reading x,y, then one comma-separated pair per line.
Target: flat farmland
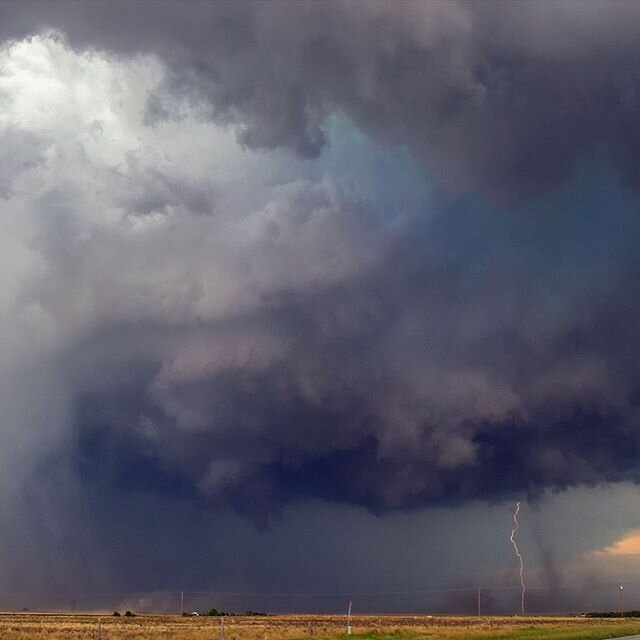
x,y
23,626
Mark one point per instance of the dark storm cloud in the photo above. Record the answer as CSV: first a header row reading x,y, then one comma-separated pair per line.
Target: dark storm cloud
x,y
293,342
493,97
374,394
310,348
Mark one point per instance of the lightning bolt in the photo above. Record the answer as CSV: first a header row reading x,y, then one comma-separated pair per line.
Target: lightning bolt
x,y
515,548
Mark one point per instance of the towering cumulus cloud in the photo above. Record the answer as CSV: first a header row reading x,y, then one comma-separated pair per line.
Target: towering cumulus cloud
x,y
190,310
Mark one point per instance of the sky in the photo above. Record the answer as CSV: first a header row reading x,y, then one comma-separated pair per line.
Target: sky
x,y
297,299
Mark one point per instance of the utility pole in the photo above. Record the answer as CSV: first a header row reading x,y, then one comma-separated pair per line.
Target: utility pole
x,y
479,611
620,590
222,628
349,619
181,602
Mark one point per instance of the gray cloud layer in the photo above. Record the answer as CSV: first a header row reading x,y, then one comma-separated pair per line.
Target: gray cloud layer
x,y
497,98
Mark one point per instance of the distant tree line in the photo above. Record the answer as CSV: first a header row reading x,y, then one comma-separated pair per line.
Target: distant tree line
x,y
215,612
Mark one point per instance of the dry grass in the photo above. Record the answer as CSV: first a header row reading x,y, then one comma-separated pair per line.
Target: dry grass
x,y
72,627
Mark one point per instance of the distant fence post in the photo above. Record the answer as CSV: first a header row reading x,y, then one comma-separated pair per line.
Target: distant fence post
x,y
222,628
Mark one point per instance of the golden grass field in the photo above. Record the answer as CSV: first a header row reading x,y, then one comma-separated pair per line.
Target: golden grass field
x,y
19,626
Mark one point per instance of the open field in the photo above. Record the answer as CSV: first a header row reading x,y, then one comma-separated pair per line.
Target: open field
x,y
14,626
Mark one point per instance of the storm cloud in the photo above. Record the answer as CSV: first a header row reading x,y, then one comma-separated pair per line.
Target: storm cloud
x,y
495,98
191,312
